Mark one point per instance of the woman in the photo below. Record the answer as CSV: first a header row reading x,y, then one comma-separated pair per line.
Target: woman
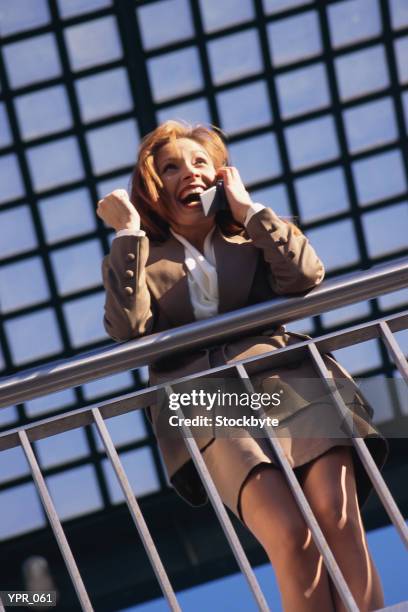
x,y
170,265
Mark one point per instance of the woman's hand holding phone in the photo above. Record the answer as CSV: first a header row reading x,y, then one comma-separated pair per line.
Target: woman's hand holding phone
x,y
238,197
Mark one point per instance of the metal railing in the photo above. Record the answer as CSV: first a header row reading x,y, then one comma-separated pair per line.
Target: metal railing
x,y
55,376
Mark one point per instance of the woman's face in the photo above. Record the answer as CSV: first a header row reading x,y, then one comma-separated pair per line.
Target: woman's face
x,y
186,170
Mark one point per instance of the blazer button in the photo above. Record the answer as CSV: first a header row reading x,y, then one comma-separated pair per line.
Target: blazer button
x,y
129,274
291,255
131,257
128,290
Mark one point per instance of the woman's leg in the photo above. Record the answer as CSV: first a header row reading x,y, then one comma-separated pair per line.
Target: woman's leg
x,y
270,512
329,485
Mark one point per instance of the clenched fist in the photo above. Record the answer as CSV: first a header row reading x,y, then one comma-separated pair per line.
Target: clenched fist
x,y
117,211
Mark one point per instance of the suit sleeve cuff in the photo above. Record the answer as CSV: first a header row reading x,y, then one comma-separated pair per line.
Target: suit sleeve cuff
x,y
128,232
255,208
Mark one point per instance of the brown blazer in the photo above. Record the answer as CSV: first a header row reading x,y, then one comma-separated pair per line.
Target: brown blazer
x,y
147,292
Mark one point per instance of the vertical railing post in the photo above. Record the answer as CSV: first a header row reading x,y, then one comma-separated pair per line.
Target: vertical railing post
x,y
55,523
394,349
136,514
368,462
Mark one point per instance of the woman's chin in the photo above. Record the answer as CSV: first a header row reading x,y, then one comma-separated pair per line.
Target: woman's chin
x,y
187,210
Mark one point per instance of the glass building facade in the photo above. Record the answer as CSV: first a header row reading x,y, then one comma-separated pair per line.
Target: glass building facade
x,y
313,97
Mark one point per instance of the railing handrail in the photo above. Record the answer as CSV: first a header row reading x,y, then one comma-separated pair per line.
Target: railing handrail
x,y
330,295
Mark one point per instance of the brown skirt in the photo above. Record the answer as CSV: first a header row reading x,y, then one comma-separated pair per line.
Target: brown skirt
x,y
309,424
231,459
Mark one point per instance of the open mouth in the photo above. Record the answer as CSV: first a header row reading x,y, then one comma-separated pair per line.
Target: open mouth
x,y
192,199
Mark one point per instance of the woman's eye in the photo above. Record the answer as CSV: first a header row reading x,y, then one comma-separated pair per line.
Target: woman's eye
x,y
201,161
168,167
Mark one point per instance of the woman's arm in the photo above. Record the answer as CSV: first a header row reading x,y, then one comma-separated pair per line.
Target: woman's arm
x,y
294,266
128,307
128,304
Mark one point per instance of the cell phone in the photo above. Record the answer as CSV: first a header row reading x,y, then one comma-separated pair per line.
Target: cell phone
x,y
214,199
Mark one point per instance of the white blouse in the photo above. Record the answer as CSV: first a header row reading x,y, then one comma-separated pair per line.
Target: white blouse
x,y
201,275
201,269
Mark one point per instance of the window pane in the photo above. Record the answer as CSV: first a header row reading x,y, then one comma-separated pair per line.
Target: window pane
x,y
275,197
402,338
185,64
303,326
321,194
346,314
158,25
55,163
405,107
218,15
399,13
323,238
93,43
11,241
103,95
361,73
113,146
370,125
401,53
5,133
234,57
10,178
352,21
75,492
294,38
257,158
305,149
359,357
303,90
276,6
67,215
50,402
69,8
43,112
377,391
123,429
8,415
32,60
12,464
386,230
118,182
14,516
84,319
195,111
401,387
77,267
379,177
62,447
33,336
22,284
107,385
140,470
394,299
243,108
20,15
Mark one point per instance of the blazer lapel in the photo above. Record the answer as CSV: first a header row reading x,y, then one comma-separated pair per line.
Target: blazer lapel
x,y
236,260
167,279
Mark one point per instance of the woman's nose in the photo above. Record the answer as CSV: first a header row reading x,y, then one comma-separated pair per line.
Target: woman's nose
x,y
188,169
